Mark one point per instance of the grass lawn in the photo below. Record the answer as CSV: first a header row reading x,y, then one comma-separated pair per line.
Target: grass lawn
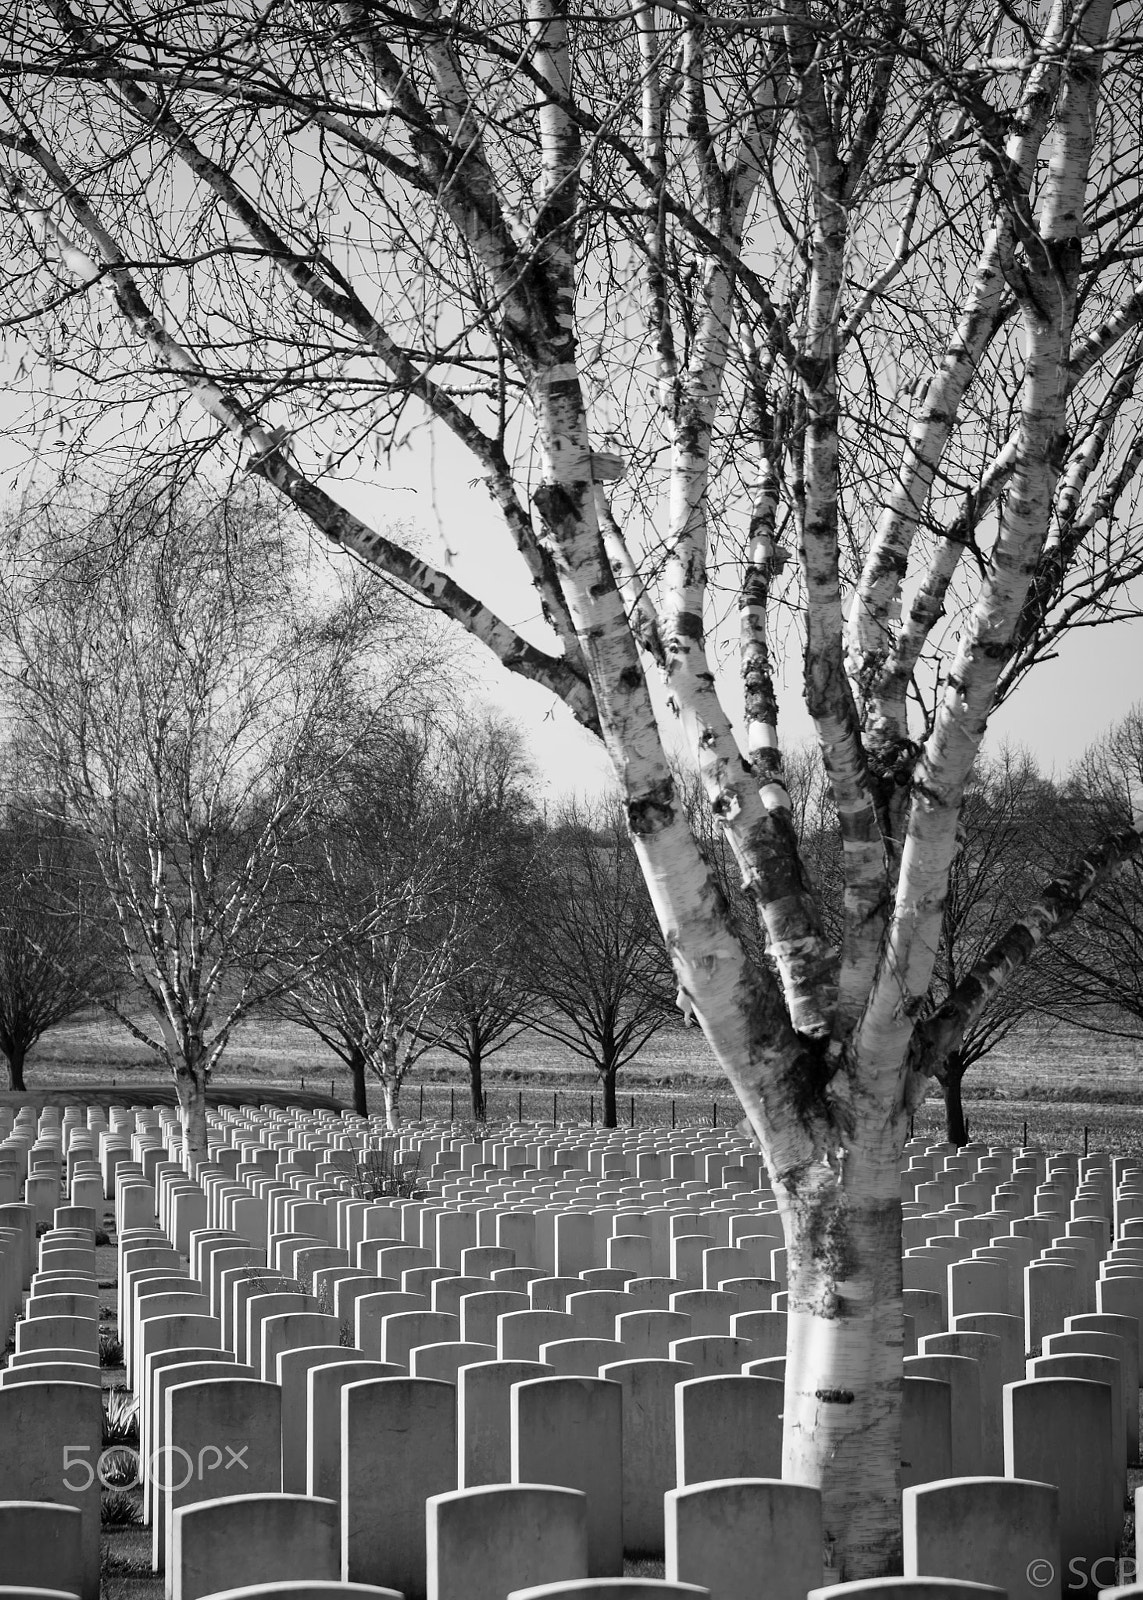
x,y
1058,1080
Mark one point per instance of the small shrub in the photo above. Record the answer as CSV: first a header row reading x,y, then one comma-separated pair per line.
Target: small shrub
x,y
110,1350
276,1283
387,1172
120,1418
117,1509
119,1469
42,1228
101,1237
326,1306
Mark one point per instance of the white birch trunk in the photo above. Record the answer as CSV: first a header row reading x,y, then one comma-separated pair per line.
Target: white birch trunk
x,y
391,1100
842,1429
190,1086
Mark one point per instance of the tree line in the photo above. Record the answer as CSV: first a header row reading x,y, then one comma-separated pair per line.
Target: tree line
x,y
230,794
227,796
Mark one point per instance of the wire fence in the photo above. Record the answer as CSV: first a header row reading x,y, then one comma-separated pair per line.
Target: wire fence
x,y
1050,1125
503,1104
1044,1125
1079,1126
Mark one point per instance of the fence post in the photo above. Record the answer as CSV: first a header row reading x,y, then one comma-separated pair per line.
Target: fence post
x,y
1085,1132
555,1104
592,1111
519,1105
331,1088
714,1113
1025,1130
451,1105
421,1104
672,1112
632,1110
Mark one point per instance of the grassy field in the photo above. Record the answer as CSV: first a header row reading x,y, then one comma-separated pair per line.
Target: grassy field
x,y
1057,1081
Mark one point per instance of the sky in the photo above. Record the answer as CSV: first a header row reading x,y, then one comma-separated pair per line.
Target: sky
x,y
1059,710
1063,706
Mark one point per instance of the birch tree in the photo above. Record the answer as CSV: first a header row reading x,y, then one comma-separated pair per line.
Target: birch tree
x,y
180,699
816,323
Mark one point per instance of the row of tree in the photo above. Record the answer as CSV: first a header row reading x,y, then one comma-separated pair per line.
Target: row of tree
x,y
229,795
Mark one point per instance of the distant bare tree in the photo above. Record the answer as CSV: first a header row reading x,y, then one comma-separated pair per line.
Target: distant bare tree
x,y
488,1003
184,697
1007,808
600,976
1093,977
52,957
393,889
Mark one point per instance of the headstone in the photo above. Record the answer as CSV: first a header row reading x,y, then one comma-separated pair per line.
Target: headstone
x,y
324,1384
53,1436
728,1427
908,1589
444,1361
569,1431
163,1375
484,1542
252,1538
223,1437
1014,1541
613,1589
398,1447
926,1431
962,1374
41,1545
743,1536
985,1350
1057,1430
484,1418
1097,1369
648,1447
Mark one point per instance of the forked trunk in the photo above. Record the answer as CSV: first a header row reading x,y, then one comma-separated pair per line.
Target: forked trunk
x,y
842,1430
190,1086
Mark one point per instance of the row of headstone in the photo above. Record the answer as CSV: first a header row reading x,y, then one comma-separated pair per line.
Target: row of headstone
x,y
51,1412
520,1239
